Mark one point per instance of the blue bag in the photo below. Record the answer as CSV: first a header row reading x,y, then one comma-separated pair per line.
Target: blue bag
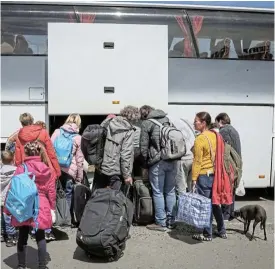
x,y
22,199
63,145
194,209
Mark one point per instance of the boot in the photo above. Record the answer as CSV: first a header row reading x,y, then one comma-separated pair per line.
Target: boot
x,y
22,257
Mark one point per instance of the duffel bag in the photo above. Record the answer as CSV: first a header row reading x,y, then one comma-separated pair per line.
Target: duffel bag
x,y
105,224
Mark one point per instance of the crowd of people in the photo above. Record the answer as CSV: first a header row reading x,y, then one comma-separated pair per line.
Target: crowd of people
x,y
133,145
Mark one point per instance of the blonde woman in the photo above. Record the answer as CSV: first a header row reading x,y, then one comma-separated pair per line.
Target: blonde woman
x,y
73,173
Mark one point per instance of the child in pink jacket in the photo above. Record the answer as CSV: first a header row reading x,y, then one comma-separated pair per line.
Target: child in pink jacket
x,y
45,182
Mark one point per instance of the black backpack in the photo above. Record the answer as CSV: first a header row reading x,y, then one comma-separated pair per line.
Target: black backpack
x,y
144,209
93,142
105,224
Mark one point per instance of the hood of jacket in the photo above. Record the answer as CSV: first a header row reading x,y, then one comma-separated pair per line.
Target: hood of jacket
x,y
70,128
41,171
119,125
156,114
29,133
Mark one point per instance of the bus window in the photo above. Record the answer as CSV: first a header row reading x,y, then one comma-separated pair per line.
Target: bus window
x,y
179,40
233,35
24,28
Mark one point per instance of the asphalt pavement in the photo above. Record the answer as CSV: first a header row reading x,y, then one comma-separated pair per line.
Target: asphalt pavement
x,y
172,249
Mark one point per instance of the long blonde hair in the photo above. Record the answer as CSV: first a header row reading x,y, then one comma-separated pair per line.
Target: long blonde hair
x,y
74,118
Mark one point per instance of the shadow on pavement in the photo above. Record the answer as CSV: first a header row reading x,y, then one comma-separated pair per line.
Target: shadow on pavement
x,y
248,235
184,232
60,235
32,259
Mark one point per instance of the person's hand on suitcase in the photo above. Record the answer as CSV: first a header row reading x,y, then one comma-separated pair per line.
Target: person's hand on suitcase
x,y
128,181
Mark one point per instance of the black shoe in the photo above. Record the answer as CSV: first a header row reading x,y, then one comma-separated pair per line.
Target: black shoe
x,y
9,241
49,236
171,226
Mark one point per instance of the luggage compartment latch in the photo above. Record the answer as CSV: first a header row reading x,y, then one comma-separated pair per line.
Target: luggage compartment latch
x,y
109,89
108,45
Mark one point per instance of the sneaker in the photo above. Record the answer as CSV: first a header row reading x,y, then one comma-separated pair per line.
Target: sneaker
x,y
9,241
2,238
49,236
156,227
15,238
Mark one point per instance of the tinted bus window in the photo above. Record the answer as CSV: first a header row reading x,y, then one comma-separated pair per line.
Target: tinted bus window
x,y
24,28
234,35
179,40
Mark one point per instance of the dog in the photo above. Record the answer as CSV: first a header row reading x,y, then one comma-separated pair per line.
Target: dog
x,y
252,212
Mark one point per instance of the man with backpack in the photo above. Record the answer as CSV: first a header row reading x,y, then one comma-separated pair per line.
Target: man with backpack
x,y
118,156
161,145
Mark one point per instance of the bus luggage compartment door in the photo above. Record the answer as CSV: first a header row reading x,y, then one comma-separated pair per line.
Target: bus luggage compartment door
x,y
100,68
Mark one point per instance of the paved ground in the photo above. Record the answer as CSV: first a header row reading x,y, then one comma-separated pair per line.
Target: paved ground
x,y
174,250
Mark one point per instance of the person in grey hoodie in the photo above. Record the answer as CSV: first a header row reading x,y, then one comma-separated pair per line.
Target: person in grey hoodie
x,y
162,174
7,171
184,166
118,157
231,136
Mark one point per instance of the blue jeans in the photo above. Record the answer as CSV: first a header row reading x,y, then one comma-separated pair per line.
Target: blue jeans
x,y
9,229
204,187
162,177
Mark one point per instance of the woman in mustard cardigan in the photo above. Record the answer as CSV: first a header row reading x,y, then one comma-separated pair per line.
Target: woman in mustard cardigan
x,y
203,171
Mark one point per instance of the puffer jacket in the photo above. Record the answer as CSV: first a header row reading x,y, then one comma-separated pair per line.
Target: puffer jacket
x,y
119,148
150,137
36,133
76,168
45,183
6,173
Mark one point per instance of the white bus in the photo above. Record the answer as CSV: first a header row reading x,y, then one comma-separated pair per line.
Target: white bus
x,y
94,58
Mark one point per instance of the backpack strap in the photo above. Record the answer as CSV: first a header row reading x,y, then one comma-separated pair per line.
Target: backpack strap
x,y
211,150
36,210
156,122
26,171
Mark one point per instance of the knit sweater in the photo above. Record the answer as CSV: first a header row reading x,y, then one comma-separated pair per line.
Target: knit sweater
x,y
203,163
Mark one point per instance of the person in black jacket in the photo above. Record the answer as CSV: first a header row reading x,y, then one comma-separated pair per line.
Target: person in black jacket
x,y
230,136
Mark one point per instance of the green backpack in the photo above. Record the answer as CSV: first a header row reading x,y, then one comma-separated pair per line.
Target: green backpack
x,y
233,159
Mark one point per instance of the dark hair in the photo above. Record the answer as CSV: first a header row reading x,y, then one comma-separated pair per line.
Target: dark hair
x,y
224,118
212,125
204,116
144,111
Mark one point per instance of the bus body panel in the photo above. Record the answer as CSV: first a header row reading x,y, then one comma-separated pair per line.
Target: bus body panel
x,y
23,79
221,82
95,80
